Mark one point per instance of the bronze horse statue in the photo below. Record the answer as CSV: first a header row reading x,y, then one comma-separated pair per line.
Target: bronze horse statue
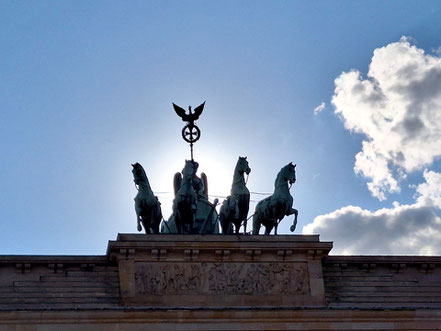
x,y
239,198
147,205
271,210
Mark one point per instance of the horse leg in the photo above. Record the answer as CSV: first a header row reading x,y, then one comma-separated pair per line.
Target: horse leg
x,y
147,221
139,223
178,222
188,223
155,228
184,216
156,218
244,207
138,220
256,224
294,224
192,225
227,226
231,228
145,225
268,229
236,227
156,221
224,225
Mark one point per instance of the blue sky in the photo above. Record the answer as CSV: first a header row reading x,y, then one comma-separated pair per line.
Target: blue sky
x,y
86,89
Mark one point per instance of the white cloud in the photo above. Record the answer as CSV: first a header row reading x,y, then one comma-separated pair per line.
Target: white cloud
x,y
437,51
429,193
413,229
319,108
398,110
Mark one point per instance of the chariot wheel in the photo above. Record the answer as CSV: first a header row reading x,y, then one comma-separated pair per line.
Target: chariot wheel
x,y
191,133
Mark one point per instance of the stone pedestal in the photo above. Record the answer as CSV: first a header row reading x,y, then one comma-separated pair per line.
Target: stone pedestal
x,y
220,271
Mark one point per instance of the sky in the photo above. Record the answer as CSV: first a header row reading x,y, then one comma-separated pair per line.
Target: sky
x,y
350,91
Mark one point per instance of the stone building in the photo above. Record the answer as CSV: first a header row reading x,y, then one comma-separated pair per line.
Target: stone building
x,y
219,282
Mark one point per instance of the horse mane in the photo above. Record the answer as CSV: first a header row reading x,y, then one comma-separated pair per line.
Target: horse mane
x,y
143,176
281,173
278,178
239,161
143,172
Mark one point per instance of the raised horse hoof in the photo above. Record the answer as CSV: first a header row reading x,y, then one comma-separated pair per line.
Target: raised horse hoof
x,y
292,228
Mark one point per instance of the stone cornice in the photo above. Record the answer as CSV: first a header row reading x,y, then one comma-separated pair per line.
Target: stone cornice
x,y
215,247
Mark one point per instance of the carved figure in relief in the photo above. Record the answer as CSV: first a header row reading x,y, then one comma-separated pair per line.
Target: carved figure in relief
x,y
221,278
270,211
235,278
194,280
167,279
147,205
235,210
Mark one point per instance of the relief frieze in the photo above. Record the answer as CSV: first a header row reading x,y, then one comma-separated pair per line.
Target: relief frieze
x,y
221,278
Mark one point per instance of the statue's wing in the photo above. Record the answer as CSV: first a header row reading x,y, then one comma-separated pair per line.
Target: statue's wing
x,y
205,181
198,111
177,179
181,112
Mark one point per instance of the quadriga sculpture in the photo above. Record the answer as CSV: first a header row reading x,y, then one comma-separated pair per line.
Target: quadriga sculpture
x,y
147,205
239,199
185,202
270,211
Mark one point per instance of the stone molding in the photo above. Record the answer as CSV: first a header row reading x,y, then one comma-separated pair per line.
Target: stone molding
x,y
222,319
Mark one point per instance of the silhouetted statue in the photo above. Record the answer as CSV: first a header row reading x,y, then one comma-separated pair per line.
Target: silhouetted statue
x,y
190,132
270,211
192,212
147,205
191,116
184,204
239,199
200,185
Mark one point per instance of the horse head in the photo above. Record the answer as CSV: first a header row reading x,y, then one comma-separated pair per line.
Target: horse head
x,y
139,175
242,165
289,172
